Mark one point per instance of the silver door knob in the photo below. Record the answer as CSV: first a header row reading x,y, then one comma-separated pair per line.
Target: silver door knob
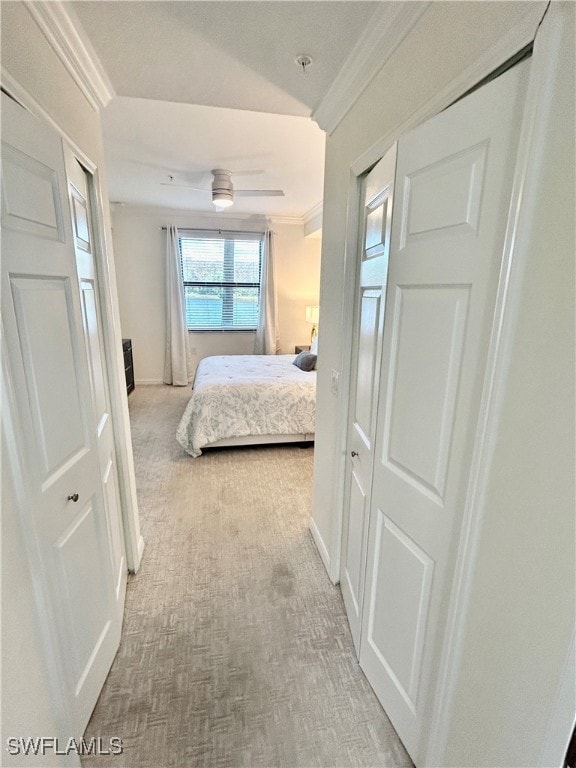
x,y
353,453
73,497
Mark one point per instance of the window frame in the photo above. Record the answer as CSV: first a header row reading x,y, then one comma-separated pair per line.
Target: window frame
x,y
228,285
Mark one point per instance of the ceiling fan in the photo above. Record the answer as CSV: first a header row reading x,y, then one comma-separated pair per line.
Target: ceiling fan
x,y
223,191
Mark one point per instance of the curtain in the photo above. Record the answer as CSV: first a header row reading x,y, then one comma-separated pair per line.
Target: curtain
x,y
178,360
267,332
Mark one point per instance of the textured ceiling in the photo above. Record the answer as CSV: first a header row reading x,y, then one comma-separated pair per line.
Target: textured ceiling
x,y
224,53
146,141
212,84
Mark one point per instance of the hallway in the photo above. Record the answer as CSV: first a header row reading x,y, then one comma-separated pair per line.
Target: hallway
x,y
235,648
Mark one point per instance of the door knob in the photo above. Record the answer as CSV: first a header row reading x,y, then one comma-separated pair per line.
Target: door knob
x,y
73,497
353,453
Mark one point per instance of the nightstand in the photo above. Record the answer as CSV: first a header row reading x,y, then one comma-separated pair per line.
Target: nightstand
x,y
302,348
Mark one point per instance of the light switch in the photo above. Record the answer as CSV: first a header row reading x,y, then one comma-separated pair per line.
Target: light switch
x,y
334,381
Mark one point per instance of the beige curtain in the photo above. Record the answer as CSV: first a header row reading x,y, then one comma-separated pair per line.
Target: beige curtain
x,y
178,360
266,342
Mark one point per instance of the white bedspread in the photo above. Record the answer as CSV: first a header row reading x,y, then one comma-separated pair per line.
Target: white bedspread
x,y
239,395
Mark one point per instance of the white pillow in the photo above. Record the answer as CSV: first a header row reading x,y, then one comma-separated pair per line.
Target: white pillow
x,y
314,346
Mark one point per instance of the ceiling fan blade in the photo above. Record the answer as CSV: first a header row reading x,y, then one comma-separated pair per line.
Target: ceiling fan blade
x,y
259,192
182,186
248,172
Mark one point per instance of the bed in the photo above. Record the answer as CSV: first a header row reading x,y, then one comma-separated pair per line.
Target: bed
x,y
248,400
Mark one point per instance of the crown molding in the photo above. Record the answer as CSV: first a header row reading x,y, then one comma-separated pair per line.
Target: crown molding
x,y
387,28
292,220
314,212
313,218
177,215
65,34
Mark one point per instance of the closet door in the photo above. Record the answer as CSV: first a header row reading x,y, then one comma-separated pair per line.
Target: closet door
x,y
61,503
81,209
452,193
369,325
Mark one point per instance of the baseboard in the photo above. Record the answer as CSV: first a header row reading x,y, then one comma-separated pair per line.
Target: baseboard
x,y
561,721
145,382
319,541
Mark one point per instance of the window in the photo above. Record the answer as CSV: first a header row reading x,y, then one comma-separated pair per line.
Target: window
x,y
221,274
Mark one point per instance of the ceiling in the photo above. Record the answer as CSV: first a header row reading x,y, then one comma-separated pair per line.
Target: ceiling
x,y
148,141
201,85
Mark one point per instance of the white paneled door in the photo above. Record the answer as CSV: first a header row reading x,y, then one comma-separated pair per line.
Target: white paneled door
x,y
369,325
83,233
452,192
63,505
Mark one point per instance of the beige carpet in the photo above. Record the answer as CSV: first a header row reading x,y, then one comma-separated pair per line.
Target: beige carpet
x,y
235,648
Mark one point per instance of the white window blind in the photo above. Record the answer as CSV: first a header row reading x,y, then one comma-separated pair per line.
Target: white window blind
x,y
221,272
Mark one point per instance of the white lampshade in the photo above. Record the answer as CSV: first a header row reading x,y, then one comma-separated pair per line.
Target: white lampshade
x,y
312,314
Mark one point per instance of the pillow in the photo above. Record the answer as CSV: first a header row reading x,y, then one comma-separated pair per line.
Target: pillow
x,y
306,361
314,346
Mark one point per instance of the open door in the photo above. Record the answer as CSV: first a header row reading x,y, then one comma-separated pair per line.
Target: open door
x,y
453,183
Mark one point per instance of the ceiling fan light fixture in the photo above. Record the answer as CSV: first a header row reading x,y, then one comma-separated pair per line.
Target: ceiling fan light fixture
x,y
222,189
222,199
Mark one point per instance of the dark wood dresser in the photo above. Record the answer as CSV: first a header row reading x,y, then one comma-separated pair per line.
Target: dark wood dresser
x,y
128,364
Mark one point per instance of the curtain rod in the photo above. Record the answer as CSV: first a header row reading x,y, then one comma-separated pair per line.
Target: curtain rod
x,y
225,231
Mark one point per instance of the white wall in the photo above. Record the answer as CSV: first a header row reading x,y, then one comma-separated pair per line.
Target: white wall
x,y
139,245
518,633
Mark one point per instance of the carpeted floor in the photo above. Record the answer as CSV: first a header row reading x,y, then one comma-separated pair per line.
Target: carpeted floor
x,y
235,648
